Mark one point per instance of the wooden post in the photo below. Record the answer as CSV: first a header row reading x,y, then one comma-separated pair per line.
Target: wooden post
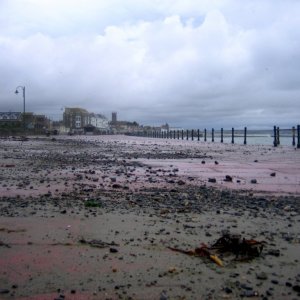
x,y
198,134
182,134
192,134
221,135
275,138
205,135
232,135
212,135
177,134
298,136
294,136
245,136
278,136
174,134
187,134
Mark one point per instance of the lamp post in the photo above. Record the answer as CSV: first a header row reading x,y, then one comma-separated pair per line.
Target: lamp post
x,y
17,92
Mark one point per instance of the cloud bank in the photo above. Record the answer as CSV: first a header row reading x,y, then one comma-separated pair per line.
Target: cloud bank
x,y
188,63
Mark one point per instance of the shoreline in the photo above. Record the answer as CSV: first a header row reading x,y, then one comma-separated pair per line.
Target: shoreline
x,y
144,196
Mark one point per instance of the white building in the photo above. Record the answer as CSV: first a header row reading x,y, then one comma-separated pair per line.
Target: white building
x,y
99,121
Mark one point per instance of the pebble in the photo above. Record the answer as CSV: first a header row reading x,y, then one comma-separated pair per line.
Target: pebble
x,y
213,180
113,250
262,276
296,288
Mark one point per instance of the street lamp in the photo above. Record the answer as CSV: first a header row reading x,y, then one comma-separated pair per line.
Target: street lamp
x,y
17,92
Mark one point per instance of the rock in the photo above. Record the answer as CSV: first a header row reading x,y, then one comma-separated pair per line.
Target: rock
x,y
116,186
213,180
228,178
262,276
253,181
163,296
296,288
181,182
249,294
4,291
227,290
113,250
273,174
274,252
216,163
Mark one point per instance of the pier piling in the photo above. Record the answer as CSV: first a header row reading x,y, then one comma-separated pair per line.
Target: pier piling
x,y
245,136
221,135
294,136
298,136
275,137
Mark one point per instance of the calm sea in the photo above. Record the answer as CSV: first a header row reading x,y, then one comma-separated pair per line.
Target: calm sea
x,y
258,137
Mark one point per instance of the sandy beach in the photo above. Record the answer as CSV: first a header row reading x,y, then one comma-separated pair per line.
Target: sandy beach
x,y
97,217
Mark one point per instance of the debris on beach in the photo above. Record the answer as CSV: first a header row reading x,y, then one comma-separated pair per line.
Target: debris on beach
x,y
97,243
243,249
2,244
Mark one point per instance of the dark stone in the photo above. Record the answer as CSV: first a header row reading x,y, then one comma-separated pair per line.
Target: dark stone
x,y
63,211
116,186
213,180
288,284
249,294
180,182
246,287
262,276
274,252
228,178
4,291
227,290
296,288
253,181
273,174
113,250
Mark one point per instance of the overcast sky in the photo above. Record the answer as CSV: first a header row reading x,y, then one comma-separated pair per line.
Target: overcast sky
x,y
191,63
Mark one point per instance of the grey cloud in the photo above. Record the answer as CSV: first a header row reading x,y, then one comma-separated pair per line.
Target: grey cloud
x,y
189,63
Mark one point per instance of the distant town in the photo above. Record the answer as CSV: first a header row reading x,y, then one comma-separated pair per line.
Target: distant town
x,y
75,121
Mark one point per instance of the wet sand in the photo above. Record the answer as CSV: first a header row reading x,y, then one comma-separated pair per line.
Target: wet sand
x,y
140,196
